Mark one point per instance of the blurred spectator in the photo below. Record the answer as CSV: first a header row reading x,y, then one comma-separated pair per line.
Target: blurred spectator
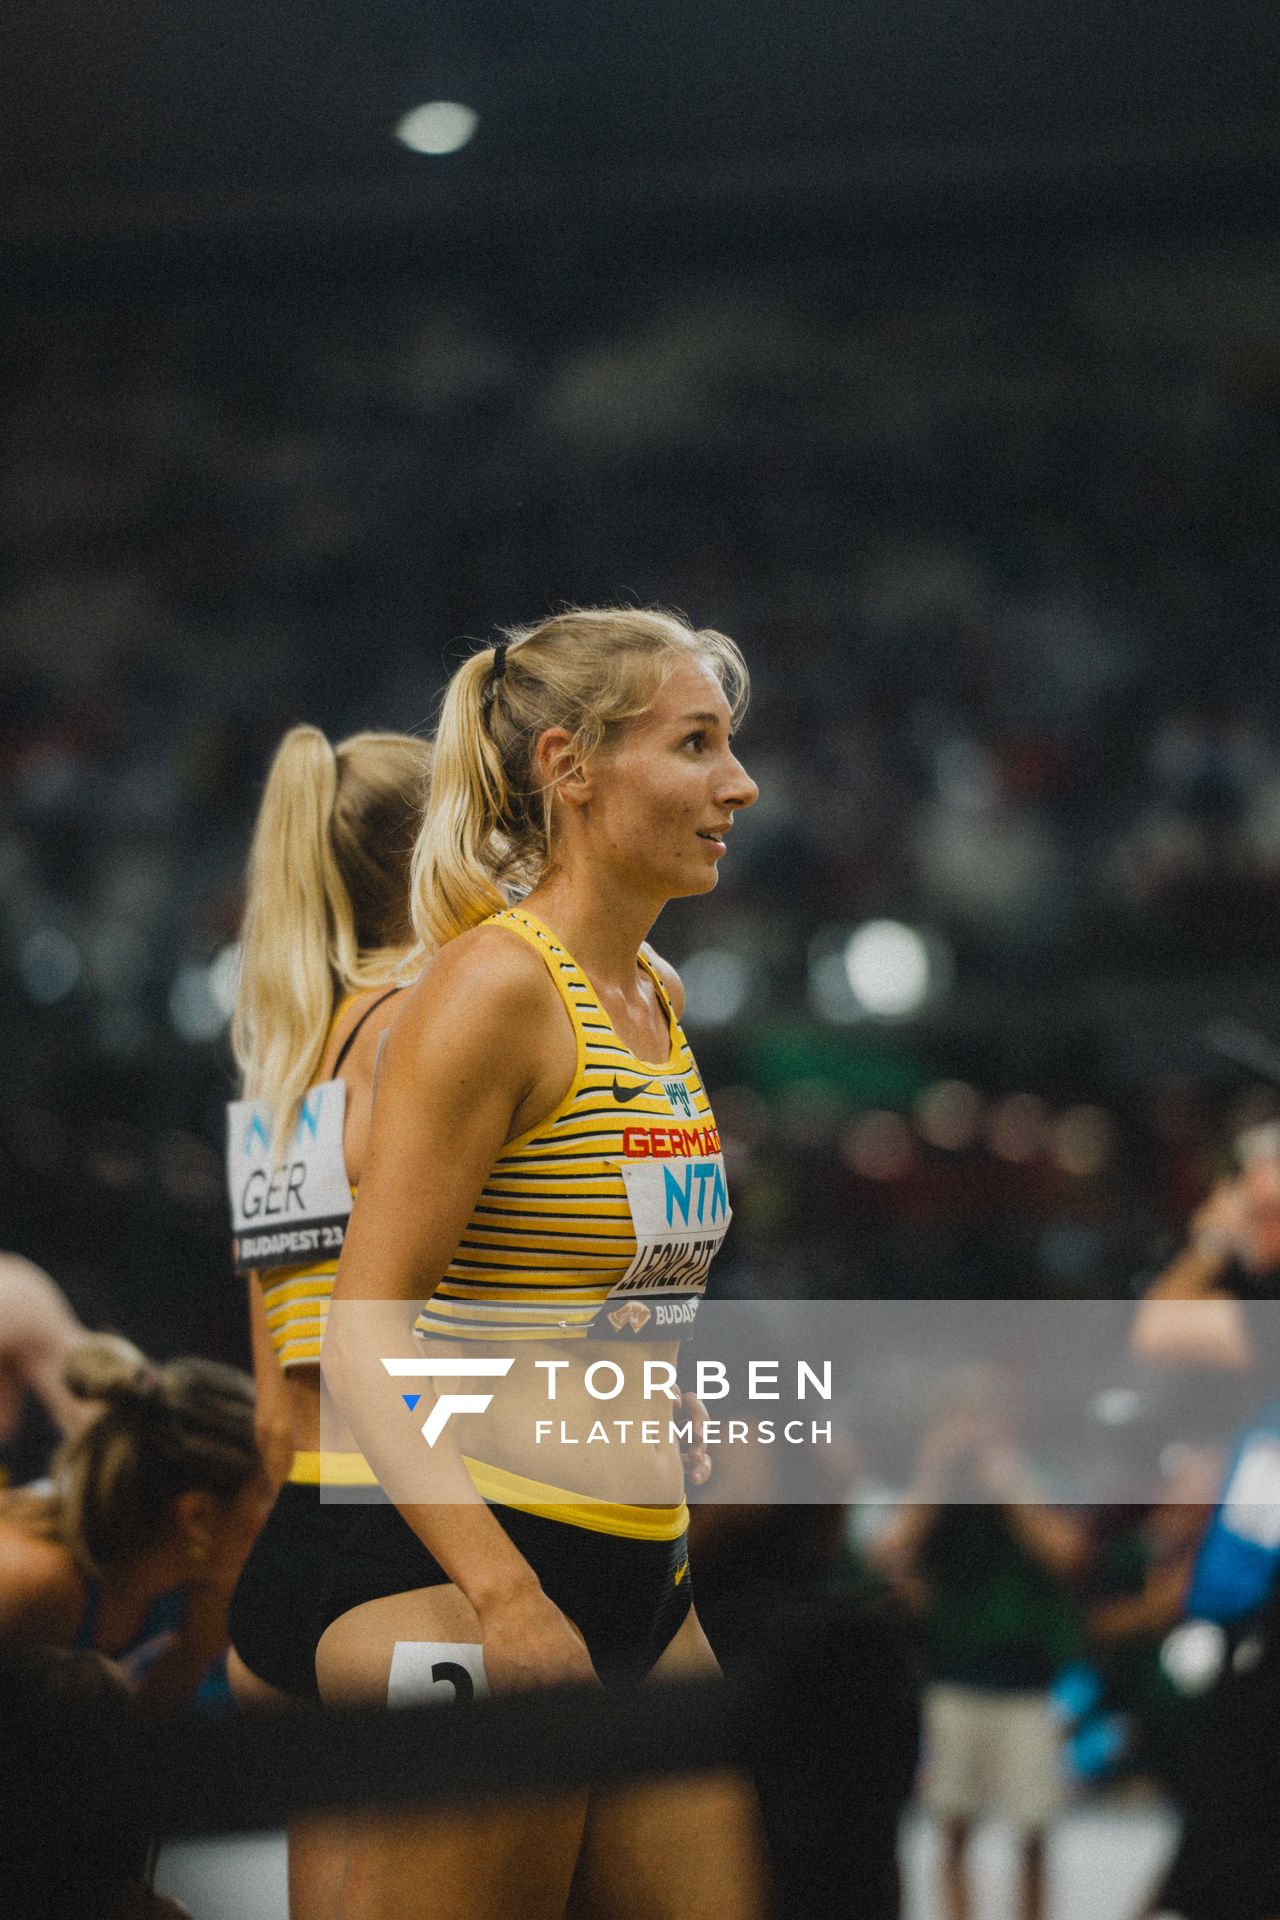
x,y
153,1506
1232,1255
989,1569
1137,1718
1201,1311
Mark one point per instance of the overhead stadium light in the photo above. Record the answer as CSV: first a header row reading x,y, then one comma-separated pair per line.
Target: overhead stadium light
x,y
440,126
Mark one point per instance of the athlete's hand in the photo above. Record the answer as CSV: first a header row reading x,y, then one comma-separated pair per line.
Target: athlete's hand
x,y
528,1642
695,1458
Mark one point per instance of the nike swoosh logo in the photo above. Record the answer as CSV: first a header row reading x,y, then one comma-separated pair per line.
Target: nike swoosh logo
x,y
684,1568
623,1094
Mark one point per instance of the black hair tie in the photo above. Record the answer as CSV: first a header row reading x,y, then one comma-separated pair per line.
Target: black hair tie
x,y
496,672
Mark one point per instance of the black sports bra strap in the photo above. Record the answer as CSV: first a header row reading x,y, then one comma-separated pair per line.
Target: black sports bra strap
x,y
346,1046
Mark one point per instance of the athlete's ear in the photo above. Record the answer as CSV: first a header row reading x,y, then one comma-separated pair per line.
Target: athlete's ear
x,y
559,768
195,1517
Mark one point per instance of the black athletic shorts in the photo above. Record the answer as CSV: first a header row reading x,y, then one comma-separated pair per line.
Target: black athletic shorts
x,y
281,1604
628,1598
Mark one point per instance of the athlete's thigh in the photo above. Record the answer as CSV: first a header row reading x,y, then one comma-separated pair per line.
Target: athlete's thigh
x,y
511,1857
687,1848
355,1654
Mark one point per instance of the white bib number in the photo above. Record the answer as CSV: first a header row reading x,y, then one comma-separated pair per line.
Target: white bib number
x,y
436,1670
290,1212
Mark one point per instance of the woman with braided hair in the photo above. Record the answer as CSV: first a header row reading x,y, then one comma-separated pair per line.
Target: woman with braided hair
x,y
134,1549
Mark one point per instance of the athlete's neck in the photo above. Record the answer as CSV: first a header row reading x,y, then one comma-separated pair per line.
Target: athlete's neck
x,y
602,932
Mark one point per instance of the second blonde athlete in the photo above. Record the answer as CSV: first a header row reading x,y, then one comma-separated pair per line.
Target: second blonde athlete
x,y
326,931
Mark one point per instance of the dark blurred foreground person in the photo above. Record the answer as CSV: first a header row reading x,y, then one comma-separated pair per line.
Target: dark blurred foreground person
x,y
785,1601
1227,1866
59,1858
135,1548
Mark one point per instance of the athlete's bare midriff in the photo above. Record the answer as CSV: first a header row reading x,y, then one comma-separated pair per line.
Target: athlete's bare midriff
x,y
528,1432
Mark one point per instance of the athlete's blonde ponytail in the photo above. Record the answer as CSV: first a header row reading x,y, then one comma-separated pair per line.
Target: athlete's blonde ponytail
x,y
326,906
456,863
591,671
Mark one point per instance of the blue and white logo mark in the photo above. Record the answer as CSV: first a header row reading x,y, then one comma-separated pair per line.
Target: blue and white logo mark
x,y
447,1403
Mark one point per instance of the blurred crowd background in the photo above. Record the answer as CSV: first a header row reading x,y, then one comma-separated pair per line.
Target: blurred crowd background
x,y
935,357
995,543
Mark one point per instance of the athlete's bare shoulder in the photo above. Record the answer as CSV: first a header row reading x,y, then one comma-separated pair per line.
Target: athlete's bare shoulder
x,y
33,1308
488,978
39,1584
483,1021
669,977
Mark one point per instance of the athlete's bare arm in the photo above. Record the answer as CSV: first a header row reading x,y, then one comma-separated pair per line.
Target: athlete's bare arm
x,y
41,1594
1171,1331
481,1051
272,1415
37,1328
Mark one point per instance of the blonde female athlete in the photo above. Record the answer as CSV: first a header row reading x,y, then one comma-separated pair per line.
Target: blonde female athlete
x,y
535,1080
326,928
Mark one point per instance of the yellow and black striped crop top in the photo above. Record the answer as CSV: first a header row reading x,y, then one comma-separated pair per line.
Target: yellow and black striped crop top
x,y
605,1216
297,1306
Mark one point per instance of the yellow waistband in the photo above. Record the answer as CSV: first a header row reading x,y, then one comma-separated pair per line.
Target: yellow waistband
x,y
331,1470
508,1489
574,1509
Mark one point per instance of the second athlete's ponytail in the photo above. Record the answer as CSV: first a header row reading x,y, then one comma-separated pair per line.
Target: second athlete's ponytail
x,y
326,904
297,925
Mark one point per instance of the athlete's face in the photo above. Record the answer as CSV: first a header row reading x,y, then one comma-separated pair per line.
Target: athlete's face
x,y
662,799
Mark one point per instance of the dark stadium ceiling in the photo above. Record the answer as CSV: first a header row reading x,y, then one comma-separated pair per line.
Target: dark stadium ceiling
x,y
142,113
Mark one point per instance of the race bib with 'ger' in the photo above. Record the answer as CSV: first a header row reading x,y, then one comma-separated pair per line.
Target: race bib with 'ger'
x,y
290,1213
